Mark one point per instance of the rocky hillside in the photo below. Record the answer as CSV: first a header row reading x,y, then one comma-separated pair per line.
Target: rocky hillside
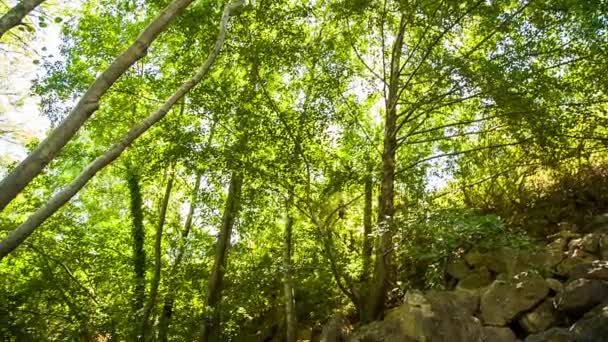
x,y
555,292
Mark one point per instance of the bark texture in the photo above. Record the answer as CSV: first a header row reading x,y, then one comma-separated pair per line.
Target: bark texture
x,y
17,236
210,331
15,15
139,253
290,305
145,322
382,268
367,228
167,311
37,160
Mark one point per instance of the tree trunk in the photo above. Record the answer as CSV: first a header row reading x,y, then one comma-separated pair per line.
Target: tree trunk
x,y
139,253
16,14
379,284
145,324
17,236
367,227
290,310
211,318
167,312
35,162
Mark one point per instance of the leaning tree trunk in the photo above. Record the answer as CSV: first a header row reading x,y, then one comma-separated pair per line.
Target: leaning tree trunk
x,y
367,227
17,236
210,331
35,162
139,254
145,324
15,15
167,312
290,309
380,282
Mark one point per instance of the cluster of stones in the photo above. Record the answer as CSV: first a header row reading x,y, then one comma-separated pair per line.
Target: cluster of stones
x,y
557,293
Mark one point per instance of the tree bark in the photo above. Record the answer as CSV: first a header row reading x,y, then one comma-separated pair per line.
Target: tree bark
x,y
290,310
139,253
210,331
367,227
167,312
145,324
17,236
381,279
37,160
15,15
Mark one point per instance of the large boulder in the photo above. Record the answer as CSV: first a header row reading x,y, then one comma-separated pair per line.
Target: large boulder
x,y
573,258
458,269
581,295
496,260
379,331
552,335
540,319
504,300
597,269
555,285
336,329
604,247
475,280
593,326
498,334
437,317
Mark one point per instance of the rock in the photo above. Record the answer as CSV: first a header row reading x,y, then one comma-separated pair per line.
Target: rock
x,y
599,223
591,243
477,279
590,270
572,259
554,285
437,316
539,319
458,269
495,260
498,334
558,244
566,232
552,335
466,301
336,329
581,295
379,331
543,260
575,244
604,247
593,326
504,300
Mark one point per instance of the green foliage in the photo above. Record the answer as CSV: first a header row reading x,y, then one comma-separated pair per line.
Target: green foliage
x,y
428,239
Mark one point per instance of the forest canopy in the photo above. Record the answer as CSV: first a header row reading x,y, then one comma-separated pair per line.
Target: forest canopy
x,y
216,170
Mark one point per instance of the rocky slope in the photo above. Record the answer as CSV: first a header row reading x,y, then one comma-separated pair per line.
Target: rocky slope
x,y
554,293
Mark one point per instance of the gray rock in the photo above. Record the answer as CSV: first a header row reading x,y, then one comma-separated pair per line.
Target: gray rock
x,y
593,326
476,279
572,259
554,285
498,334
591,243
597,269
581,295
437,316
504,300
458,269
604,247
540,319
336,329
379,331
552,335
